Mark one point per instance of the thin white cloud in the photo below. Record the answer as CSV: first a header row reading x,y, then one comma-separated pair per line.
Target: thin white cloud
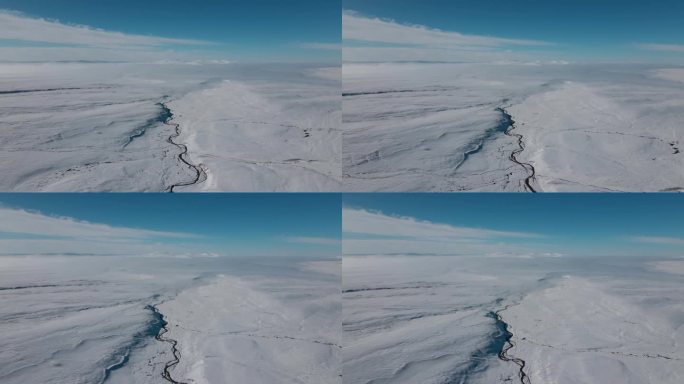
x,y
312,240
361,28
19,221
397,54
52,54
36,39
388,40
32,233
375,223
414,247
373,233
181,255
670,266
678,48
324,46
24,232
82,246
16,26
659,240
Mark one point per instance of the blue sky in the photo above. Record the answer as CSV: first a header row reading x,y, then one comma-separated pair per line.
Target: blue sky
x,y
572,224
311,225
256,30
225,224
580,30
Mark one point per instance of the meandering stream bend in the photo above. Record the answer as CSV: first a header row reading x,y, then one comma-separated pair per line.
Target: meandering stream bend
x,y
169,365
508,344
200,174
529,168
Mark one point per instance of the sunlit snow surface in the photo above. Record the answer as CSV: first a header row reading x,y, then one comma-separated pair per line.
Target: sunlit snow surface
x,y
431,320
100,127
88,320
441,127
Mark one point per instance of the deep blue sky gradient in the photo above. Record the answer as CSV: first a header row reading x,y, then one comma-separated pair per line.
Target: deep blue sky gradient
x,y
583,29
250,30
224,221
586,221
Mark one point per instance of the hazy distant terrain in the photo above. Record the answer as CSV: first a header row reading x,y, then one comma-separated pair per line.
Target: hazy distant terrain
x,y
447,319
169,126
81,319
430,298
512,127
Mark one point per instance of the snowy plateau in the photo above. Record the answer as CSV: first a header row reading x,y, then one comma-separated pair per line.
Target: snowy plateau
x,y
440,127
169,127
169,320
459,319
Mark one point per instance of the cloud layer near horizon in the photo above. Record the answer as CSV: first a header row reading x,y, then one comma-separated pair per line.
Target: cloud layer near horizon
x,y
387,40
368,233
658,240
676,48
23,232
16,26
25,38
374,233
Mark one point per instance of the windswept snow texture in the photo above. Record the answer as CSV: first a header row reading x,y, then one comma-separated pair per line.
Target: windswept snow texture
x,y
584,331
264,137
453,127
272,331
106,127
81,319
448,319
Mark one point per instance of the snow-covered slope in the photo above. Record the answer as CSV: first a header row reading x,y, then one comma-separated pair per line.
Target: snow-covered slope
x,y
603,138
82,319
448,319
447,127
266,331
583,331
101,127
423,319
418,127
263,137
72,320
83,127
